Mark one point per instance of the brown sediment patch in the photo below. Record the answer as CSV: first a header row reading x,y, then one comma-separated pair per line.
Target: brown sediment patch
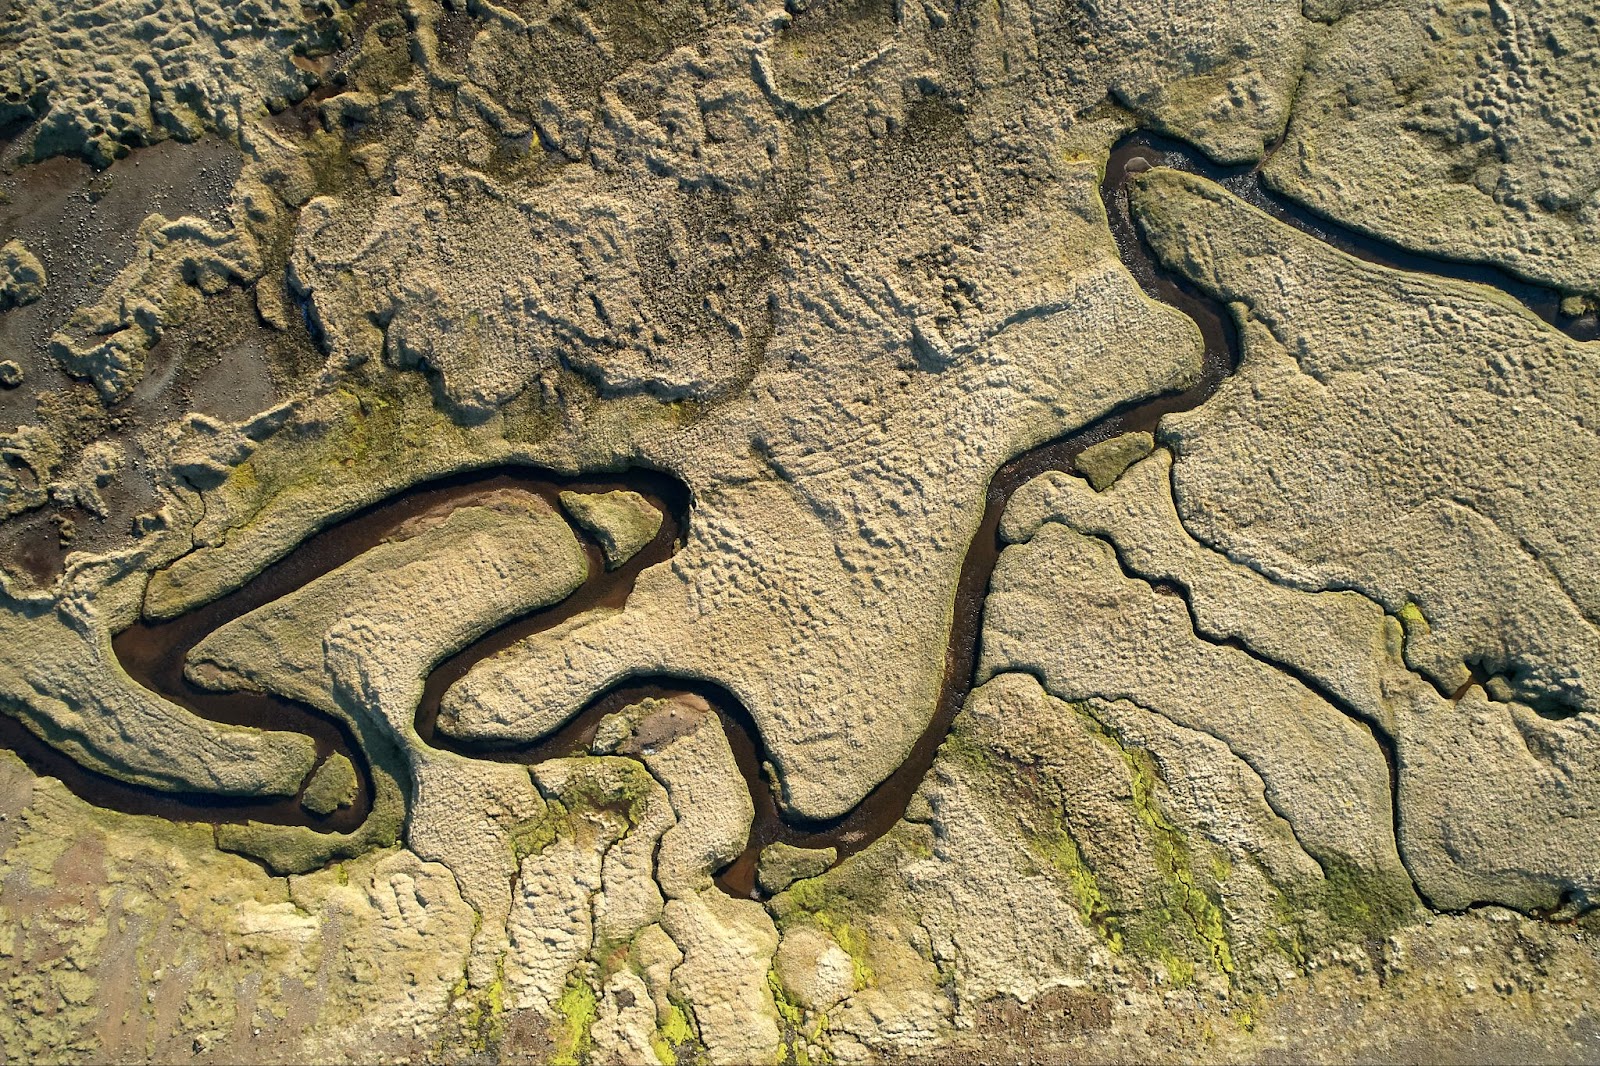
x,y
83,224
154,652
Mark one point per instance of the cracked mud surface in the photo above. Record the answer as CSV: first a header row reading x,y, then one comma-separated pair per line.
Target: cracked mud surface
x,y
850,532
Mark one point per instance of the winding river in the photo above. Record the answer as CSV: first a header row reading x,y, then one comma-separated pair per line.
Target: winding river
x,y
154,653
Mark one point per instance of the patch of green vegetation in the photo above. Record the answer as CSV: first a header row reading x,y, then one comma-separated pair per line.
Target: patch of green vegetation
x,y
384,58
533,415
673,1036
534,835
1173,857
334,170
1287,934
1185,921
963,747
1247,1013
1058,846
575,1013
1180,971
293,849
600,783
818,902
1412,618
1348,900
480,1016
1185,900
621,785
789,1012
797,1036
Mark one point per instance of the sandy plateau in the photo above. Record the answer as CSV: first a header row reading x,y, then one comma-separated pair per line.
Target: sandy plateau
x,y
855,531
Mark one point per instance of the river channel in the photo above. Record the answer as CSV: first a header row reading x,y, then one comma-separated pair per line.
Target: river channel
x,y
154,653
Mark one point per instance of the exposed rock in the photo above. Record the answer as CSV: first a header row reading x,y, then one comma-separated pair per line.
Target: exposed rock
x,y
179,261
587,880
97,467
831,265
348,643
22,277
476,568
623,522
205,449
331,787
147,916
1224,80
32,457
1428,426
727,947
107,722
1103,463
551,927
814,968
319,466
10,373
874,536
781,865
618,836
1339,639
626,1022
682,743
1323,773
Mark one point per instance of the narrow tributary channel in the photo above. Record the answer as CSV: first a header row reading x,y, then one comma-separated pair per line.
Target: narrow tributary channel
x,y
154,652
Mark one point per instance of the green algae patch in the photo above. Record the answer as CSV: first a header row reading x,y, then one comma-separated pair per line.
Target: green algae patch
x,y
1173,919
1347,903
819,902
534,835
1413,621
1193,904
860,904
609,783
673,1036
575,1009
601,783
798,1037
482,1014
1058,846
293,849
334,454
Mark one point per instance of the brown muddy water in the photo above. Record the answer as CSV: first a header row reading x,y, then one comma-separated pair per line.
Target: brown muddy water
x,y
154,653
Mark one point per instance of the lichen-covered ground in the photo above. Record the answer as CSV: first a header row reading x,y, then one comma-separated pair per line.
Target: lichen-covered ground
x,y
1282,742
